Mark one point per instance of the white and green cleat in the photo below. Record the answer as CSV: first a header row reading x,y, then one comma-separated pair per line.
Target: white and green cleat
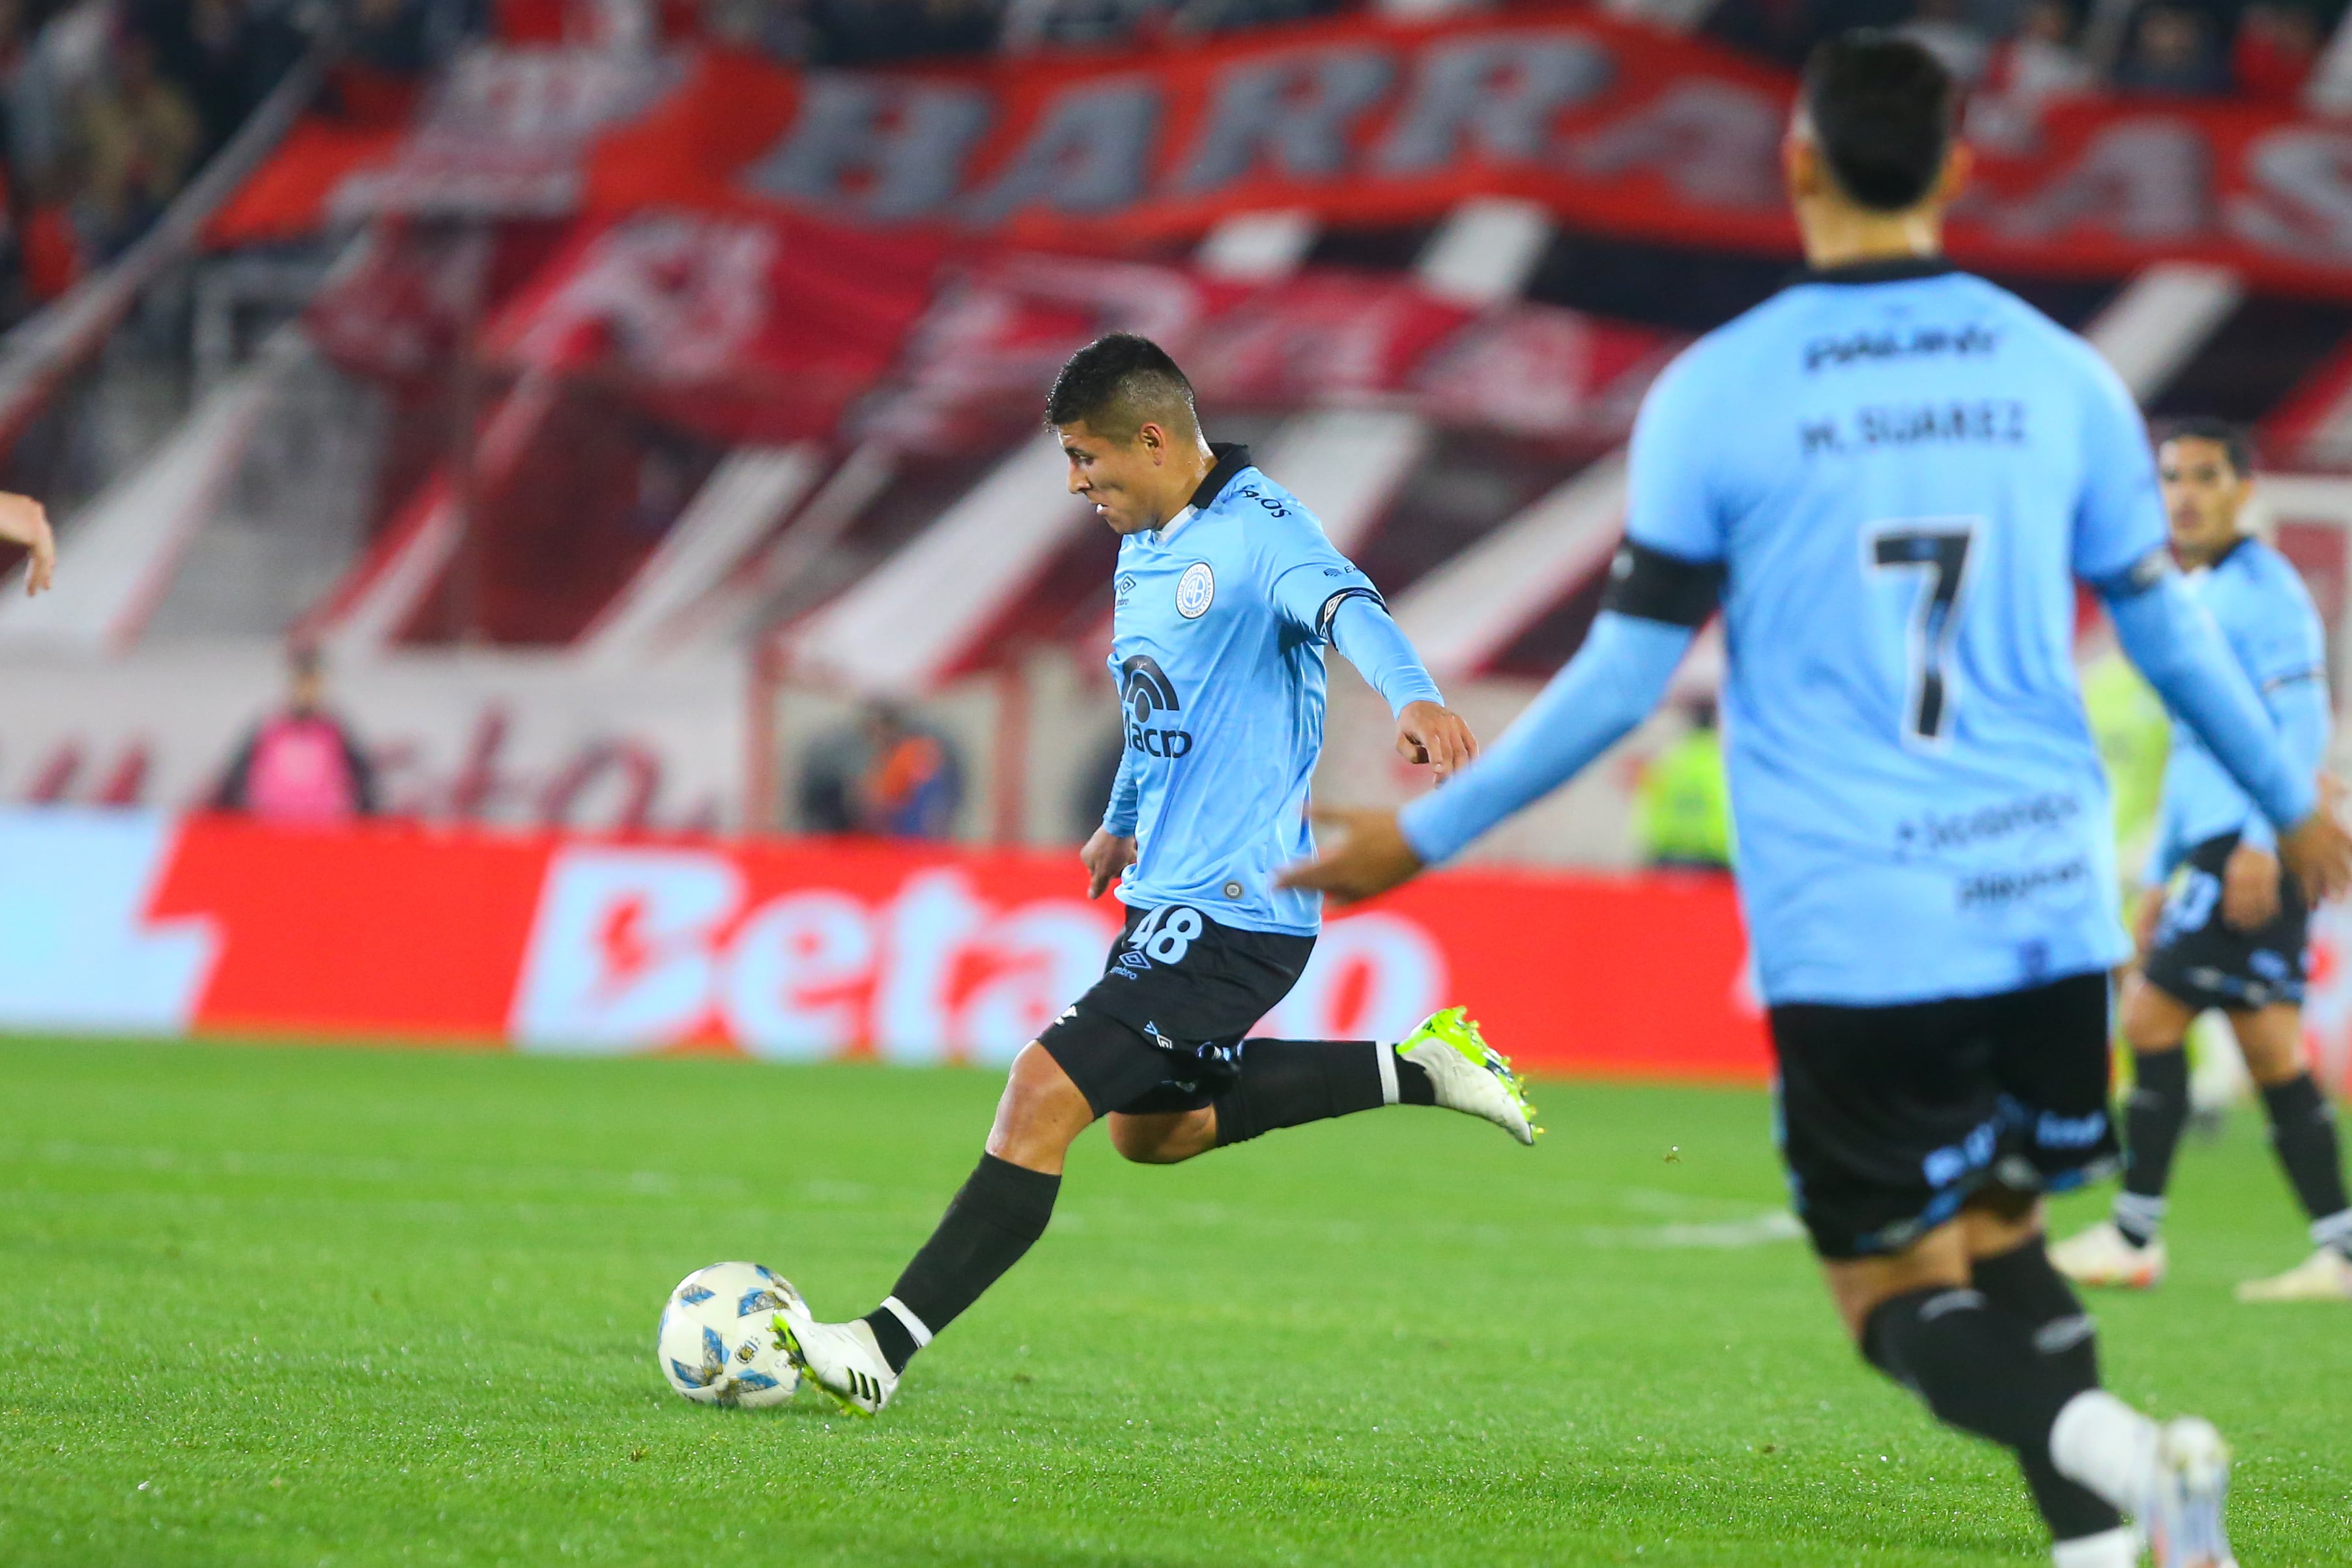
x,y
1468,1074
840,1359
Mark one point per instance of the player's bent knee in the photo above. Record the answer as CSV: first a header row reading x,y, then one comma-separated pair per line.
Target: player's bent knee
x,y
1164,1140
1041,1109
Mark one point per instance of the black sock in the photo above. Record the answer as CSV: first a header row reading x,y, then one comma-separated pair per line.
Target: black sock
x,y
1976,1369
2303,1130
2153,1114
1000,1212
1288,1082
2022,1285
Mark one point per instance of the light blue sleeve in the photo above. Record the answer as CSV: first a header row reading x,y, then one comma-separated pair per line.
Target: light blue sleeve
x,y
1670,499
1119,816
2299,708
2177,647
2120,512
1612,683
1377,647
2164,856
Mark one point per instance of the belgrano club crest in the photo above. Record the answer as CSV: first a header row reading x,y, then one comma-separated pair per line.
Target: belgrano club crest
x,y
1195,590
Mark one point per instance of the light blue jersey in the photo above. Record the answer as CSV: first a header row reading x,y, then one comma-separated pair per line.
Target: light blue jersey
x,y
1222,616
1893,475
2265,614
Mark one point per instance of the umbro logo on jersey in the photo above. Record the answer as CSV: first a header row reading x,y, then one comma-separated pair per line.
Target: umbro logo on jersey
x,y
1146,691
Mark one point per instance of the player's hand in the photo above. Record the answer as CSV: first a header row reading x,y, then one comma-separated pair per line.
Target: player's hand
x,y
2151,915
2250,888
1370,856
1105,856
1427,733
25,521
2317,850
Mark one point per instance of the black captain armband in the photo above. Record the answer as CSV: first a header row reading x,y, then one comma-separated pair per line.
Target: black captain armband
x,y
1651,585
1330,610
2137,577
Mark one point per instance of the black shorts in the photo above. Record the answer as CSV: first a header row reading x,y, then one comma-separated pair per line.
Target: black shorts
x,y
1890,1117
2202,961
1161,1030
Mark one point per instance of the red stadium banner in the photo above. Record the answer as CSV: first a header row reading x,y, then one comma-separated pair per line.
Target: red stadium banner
x,y
787,950
1612,126
137,922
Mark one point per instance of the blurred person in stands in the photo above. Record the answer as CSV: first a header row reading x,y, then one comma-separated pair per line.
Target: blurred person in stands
x,y
303,766
2172,56
1682,805
877,32
2276,49
910,786
411,37
1947,29
24,522
2039,65
227,54
140,140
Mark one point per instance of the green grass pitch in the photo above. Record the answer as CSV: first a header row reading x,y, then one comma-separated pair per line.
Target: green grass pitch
x,y
266,1306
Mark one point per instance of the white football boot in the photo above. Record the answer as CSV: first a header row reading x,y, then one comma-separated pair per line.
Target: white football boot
x,y
1467,1074
2191,1487
843,1359
2104,1256
2324,1276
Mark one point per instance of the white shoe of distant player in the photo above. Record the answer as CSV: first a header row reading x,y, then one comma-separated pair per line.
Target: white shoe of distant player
x,y
2104,1256
2324,1276
840,1358
1467,1074
2191,1487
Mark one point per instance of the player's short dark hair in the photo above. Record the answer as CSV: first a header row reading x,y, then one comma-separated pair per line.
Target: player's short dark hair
x,y
2229,436
1117,384
1883,110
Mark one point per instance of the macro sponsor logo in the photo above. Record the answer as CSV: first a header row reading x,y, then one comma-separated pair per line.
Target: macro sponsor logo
x,y
1145,692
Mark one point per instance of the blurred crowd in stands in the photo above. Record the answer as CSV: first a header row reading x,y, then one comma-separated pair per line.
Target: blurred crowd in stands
x,y
2034,53
109,107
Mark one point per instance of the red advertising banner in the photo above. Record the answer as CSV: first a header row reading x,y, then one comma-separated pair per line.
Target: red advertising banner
x,y
141,922
1612,126
788,950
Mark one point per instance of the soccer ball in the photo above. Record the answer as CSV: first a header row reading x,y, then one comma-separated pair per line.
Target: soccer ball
x,y
718,1340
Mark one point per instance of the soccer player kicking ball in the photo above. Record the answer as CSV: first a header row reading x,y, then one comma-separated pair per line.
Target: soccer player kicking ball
x,y
1226,595
1890,475
2231,933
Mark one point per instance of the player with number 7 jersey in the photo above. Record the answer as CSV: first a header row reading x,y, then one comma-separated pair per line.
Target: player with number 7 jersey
x,y
1890,479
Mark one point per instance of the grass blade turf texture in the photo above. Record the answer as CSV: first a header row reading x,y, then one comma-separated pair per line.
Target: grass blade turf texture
x,y
264,1306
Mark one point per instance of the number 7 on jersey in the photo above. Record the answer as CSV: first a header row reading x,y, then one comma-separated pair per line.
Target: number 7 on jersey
x,y
1937,548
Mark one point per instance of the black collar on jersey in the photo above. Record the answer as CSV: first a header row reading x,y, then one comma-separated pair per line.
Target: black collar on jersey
x,y
2234,545
1893,269
1231,458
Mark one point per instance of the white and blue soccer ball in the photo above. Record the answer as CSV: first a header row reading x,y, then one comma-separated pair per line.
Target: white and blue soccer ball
x,y
718,1340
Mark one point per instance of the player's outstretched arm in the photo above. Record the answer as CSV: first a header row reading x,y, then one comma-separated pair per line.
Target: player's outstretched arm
x,y
2177,646
25,521
1428,732
1612,685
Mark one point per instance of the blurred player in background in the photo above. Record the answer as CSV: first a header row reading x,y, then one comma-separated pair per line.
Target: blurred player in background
x,y
1226,595
24,522
1890,476
2230,932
